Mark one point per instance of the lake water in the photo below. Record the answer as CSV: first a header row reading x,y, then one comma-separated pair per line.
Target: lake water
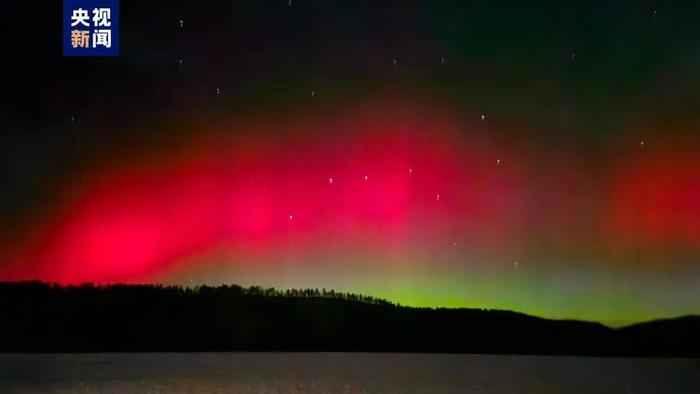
x,y
341,373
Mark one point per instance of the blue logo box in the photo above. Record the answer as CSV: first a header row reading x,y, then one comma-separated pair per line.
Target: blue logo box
x,y
90,27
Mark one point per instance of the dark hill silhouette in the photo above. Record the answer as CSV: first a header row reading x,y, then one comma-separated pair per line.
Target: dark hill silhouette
x,y
40,317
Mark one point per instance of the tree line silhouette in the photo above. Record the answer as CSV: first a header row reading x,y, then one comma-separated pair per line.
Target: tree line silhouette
x,y
223,290
41,317
290,293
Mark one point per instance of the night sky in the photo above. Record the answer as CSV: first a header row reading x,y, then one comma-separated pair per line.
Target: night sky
x,y
539,156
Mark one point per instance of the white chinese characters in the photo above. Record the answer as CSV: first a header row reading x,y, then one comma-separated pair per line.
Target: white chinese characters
x,y
80,16
101,17
101,36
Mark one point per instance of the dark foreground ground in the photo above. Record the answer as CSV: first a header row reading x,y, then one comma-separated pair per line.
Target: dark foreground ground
x,y
38,317
341,373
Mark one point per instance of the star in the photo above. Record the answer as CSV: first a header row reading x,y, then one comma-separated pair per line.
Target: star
x,y
179,62
410,171
641,144
437,197
516,264
498,162
366,178
395,62
442,60
291,217
313,93
483,117
330,181
289,3
218,91
454,243
573,57
182,23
